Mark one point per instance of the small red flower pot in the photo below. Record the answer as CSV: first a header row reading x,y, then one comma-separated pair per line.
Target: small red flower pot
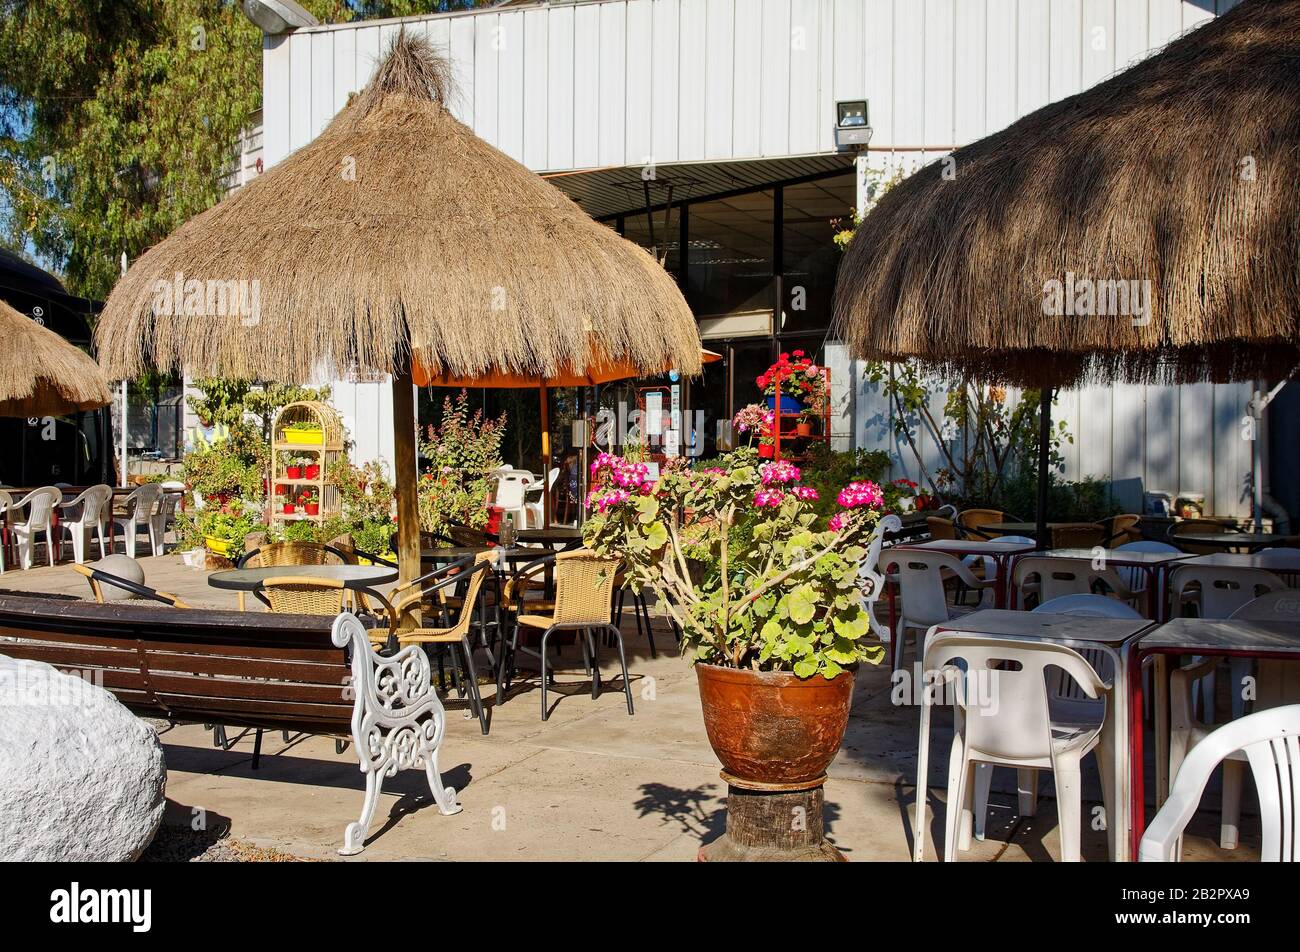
x,y
766,450
288,509
311,508
293,472
311,472
281,490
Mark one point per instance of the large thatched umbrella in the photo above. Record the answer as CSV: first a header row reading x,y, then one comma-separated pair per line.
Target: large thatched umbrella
x,y
41,374
397,236
1180,171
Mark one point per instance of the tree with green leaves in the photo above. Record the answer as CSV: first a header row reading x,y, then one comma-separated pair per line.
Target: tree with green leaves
x,y
119,117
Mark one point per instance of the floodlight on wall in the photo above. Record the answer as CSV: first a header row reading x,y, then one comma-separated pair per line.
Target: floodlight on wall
x,y
852,124
278,16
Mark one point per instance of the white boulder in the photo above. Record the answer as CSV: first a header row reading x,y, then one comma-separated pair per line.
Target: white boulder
x,y
81,777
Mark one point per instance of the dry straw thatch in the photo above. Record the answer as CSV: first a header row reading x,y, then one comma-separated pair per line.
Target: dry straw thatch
x,y
41,374
399,232
1182,170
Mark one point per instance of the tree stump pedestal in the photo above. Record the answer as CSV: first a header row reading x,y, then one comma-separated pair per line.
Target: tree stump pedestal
x,y
772,823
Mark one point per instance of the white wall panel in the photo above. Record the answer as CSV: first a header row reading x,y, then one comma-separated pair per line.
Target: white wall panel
x,y
612,85
510,83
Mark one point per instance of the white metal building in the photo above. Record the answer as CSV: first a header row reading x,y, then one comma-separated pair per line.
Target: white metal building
x,y
732,105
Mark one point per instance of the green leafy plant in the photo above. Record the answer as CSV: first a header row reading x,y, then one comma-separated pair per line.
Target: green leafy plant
x,y
742,561
460,452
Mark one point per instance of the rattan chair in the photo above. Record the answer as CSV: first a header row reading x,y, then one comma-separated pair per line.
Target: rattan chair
x,y
1197,527
969,522
941,528
1122,529
108,587
1085,535
455,637
303,595
290,553
584,591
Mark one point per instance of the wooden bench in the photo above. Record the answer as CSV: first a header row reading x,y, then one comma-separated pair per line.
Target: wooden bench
x,y
268,671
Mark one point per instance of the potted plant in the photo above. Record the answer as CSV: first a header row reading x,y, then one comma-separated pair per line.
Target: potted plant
x,y
293,468
289,507
304,434
805,424
766,446
310,470
310,500
772,608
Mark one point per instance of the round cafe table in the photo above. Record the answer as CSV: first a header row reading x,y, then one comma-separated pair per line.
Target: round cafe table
x,y
353,577
1249,541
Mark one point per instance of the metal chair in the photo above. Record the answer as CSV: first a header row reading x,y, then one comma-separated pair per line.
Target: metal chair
x,y
303,595
584,589
40,505
1270,742
95,504
1196,527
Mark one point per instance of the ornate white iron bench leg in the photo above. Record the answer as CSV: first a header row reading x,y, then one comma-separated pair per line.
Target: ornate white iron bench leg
x,y
397,722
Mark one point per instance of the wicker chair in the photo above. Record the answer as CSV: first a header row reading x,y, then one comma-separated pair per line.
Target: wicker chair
x,y
941,528
969,522
1085,535
108,587
1196,527
1121,530
584,591
290,553
303,595
455,637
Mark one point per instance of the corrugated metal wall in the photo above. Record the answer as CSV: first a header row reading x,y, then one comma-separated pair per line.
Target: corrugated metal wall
x,y
623,82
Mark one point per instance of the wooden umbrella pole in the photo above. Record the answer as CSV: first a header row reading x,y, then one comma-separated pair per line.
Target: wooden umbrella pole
x,y
546,458
405,476
1044,459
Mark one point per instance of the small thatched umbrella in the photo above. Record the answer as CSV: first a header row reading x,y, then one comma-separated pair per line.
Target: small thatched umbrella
x,y
1180,171
398,235
41,374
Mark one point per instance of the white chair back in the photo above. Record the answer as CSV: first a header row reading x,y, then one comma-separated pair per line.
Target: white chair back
x,y
141,502
96,502
922,597
1058,577
1006,705
1271,742
511,488
1090,605
1278,605
1223,589
40,504
6,502
1146,545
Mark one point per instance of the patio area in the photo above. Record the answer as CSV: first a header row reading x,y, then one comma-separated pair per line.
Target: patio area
x,y
589,784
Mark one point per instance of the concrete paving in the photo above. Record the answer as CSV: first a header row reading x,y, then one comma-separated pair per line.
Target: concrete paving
x,y
592,783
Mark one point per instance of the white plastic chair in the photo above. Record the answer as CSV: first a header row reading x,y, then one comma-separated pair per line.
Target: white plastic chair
x,y
990,565
1004,716
1217,592
922,597
1270,742
511,489
1063,693
160,520
39,504
96,504
1058,577
534,505
6,507
1277,683
140,507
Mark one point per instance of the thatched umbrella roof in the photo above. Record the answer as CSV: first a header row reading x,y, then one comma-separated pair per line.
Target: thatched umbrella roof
x,y
1181,171
41,374
397,230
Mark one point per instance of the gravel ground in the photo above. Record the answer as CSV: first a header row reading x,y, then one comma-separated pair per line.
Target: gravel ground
x,y
179,844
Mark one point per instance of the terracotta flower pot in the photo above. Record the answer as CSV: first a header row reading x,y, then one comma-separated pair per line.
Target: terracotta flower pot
x,y
804,429
771,728
293,472
311,508
311,472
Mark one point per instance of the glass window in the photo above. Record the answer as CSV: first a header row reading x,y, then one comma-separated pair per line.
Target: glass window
x,y
809,256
